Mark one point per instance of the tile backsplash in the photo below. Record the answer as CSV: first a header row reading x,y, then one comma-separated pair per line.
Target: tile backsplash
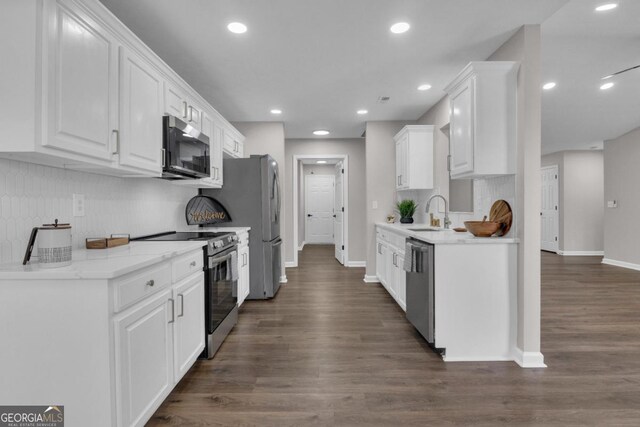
x,y
31,195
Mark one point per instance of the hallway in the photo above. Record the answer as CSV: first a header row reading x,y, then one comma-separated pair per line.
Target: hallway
x,y
332,350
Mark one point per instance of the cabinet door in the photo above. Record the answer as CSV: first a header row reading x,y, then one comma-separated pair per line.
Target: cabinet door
x,y
399,161
391,272
144,359
243,272
189,325
401,282
140,114
381,262
175,102
82,83
462,128
215,140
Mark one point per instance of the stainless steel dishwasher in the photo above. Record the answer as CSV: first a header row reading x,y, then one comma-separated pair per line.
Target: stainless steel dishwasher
x,y
419,266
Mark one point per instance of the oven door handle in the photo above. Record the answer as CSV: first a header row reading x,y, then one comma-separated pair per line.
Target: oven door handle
x,y
219,260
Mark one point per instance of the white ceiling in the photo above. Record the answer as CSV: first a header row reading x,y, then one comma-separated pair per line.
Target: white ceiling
x,y
320,61
579,47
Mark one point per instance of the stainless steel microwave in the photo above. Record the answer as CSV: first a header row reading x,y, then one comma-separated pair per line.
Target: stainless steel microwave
x,y
185,150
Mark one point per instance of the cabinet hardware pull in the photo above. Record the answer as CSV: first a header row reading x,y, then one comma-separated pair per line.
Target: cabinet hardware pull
x,y
181,305
449,162
151,283
173,310
190,113
193,264
164,155
117,150
184,109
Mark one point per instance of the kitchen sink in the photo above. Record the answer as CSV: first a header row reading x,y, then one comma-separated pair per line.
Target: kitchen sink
x,y
425,229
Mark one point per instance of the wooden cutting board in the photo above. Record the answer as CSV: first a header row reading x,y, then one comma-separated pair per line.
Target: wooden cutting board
x,y
501,212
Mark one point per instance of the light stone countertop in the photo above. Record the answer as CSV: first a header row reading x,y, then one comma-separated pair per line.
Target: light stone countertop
x,y
102,263
444,236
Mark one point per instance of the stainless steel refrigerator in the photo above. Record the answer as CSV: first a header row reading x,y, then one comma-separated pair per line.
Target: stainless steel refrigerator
x,y
251,195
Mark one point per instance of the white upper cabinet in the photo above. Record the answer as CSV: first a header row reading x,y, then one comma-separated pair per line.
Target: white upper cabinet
x,y
99,96
414,157
140,139
233,143
82,83
482,133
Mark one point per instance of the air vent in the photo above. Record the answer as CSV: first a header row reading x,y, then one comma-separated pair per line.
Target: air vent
x,y
383,99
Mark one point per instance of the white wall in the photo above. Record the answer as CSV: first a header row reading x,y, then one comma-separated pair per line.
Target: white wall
x,y
381,186
355,149
622,184
31,195
580,200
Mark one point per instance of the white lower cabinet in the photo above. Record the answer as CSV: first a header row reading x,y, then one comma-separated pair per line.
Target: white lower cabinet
x,y
390,265
144,358
188,325
243,267
156,342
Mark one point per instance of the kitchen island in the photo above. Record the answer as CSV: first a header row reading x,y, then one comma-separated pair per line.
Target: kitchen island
x,y
475,288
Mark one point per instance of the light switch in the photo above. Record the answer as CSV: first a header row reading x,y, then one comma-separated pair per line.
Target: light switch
x,y
374,205
78,205
612,204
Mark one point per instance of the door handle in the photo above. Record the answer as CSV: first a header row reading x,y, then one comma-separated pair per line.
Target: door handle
x,y
173,308
181,305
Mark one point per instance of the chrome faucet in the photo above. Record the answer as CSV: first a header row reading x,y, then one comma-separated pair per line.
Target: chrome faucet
x,y
447,221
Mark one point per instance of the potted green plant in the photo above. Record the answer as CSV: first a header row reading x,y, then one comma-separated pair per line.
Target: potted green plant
x,y
406,208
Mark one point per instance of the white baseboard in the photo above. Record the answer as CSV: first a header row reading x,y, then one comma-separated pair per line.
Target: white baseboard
x,y
477,359
371,279
581,253
283,279
356,264
301,247
622,264
529,359
290,264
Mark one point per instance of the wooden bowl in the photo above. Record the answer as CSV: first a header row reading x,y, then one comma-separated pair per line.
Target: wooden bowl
x,y
483,229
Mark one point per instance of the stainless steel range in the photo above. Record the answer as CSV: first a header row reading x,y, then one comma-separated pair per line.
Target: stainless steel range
x,y
221,276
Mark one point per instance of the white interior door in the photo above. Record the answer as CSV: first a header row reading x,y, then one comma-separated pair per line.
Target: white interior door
x,y
319,209
549,214
338,207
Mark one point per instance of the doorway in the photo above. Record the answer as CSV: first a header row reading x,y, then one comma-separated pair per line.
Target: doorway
x,y
320,203
549,213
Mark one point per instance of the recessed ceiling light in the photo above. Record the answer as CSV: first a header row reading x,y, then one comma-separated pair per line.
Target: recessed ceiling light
x,y
400,27
321,162
321,132
237,27
361,112
424,87
607,86
276,111
606,6
549,85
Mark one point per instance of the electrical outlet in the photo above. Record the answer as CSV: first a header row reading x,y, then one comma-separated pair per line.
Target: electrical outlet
x,y
374,205
78,205
612,204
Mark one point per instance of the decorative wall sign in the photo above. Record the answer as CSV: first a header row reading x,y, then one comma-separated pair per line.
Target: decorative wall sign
x,y
204,210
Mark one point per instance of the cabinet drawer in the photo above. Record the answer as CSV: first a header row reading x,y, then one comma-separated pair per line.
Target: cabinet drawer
x,y
187,265
136,286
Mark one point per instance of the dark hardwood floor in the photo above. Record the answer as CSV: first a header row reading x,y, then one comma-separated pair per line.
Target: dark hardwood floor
x,y
332,350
